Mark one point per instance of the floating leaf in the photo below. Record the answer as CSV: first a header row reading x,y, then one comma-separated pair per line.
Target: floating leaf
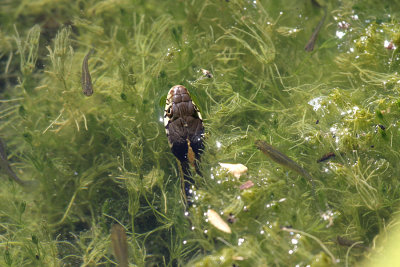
x,y
235,169
218,222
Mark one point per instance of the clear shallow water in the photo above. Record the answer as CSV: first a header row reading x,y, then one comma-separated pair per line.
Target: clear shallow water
x,y
106,158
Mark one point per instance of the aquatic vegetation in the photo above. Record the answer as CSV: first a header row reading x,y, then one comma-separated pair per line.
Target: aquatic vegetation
x,y
104,160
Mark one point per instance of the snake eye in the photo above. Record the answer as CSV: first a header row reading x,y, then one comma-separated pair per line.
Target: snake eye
x,y
168,112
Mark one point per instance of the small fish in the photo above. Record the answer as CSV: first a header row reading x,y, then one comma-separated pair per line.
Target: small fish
x,y
119,244
310,45
86,81
216,220
282,159
326,157
4,165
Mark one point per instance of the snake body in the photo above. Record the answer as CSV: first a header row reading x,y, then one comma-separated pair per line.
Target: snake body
x,y
184,127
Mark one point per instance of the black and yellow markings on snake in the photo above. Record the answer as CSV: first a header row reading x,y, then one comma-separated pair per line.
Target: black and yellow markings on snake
x,y
185,131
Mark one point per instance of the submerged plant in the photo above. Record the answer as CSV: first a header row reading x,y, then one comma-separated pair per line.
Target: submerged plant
x,y
104,159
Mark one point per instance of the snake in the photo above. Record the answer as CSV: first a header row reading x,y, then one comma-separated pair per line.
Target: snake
x,y
185,131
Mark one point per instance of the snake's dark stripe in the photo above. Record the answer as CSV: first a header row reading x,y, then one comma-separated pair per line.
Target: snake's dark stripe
x,y
185,130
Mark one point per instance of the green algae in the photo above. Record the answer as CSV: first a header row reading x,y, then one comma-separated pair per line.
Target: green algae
x,y
105,159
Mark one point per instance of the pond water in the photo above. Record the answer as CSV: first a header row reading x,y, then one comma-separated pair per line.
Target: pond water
x,y
324,193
